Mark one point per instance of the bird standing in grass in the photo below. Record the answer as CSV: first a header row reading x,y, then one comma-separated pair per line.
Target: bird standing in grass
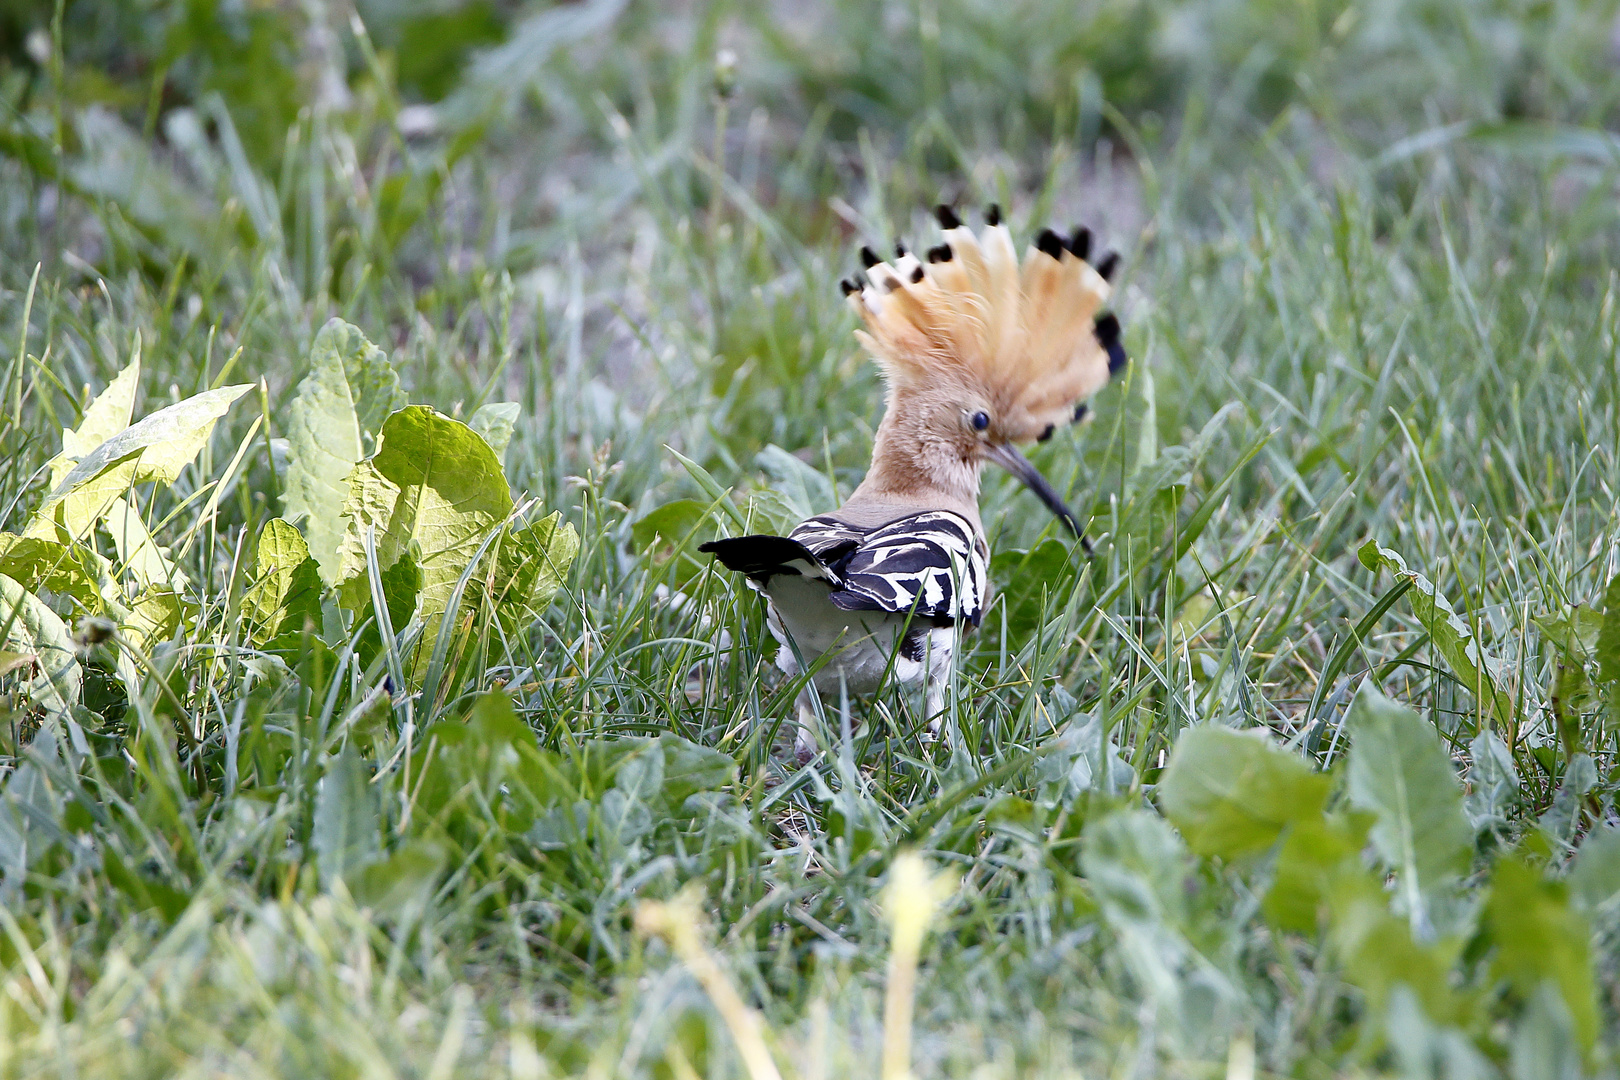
x,y
980,353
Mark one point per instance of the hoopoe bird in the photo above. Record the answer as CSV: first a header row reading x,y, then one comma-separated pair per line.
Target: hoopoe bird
x,y
979,353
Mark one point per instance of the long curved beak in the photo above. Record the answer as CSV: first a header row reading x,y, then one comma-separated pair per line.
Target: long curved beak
x,y
1007,456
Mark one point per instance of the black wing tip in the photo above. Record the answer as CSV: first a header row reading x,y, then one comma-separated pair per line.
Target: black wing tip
x,y
1080,242
1117,360
1108,331
1107,265
1050,243
941,254
848,287
917,274
992,215
947,217
869,258
759,555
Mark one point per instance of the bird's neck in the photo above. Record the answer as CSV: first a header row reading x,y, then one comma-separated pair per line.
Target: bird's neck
x,y
913,465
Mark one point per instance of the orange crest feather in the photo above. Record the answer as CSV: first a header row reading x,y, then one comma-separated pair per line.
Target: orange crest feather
x,y
1028,336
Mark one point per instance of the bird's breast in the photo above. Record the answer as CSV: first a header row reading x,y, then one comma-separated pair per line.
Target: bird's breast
x,y
860,643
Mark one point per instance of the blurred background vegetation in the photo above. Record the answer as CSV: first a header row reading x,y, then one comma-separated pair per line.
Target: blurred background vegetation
x,y
615,180
1369,282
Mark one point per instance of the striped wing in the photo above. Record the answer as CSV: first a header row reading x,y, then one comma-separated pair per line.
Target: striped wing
x,y
929,563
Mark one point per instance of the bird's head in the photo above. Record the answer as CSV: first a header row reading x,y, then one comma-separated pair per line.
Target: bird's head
x,y
982,354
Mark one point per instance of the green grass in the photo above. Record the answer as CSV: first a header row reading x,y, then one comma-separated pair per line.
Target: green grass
x,y
1369,287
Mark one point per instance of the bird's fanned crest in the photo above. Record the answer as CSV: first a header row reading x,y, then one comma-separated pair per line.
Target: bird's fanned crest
x,y
1031,336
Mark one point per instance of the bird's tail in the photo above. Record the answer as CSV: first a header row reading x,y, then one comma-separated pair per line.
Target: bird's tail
x,y
761,555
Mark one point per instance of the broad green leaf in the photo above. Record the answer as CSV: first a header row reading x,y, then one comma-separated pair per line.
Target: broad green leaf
x,y
157,448
1493,782
671,532
71,518
1433,1051
805,488
1029,580
1575,633
1400,773
1231,792
401,882
1142,878
347,818
768,511
286,592
433,483
1608,639
31,627
1316,854
1561,820
690,768
347,395
165,442
107,415
30,806
1379,953
494,424
625,814
1594,877
1540,938
1453,638
1137,867
531,565
489,762
401,588
1545,1044
1083,758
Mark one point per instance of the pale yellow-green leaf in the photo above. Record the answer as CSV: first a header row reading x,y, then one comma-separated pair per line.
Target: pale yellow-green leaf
x,y
143,562
435,484
31,627
348,393
286,589
69,519
107,415
74,570
533,562
153,617
494,423
157,448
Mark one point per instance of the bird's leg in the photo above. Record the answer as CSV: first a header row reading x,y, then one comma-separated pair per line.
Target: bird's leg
x,y
804,738
936,681
934,705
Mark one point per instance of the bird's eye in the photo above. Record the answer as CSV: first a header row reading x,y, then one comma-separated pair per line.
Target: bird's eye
x,y
980,420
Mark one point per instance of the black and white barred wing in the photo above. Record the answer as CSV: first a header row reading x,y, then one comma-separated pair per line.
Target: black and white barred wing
x,y
929,564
